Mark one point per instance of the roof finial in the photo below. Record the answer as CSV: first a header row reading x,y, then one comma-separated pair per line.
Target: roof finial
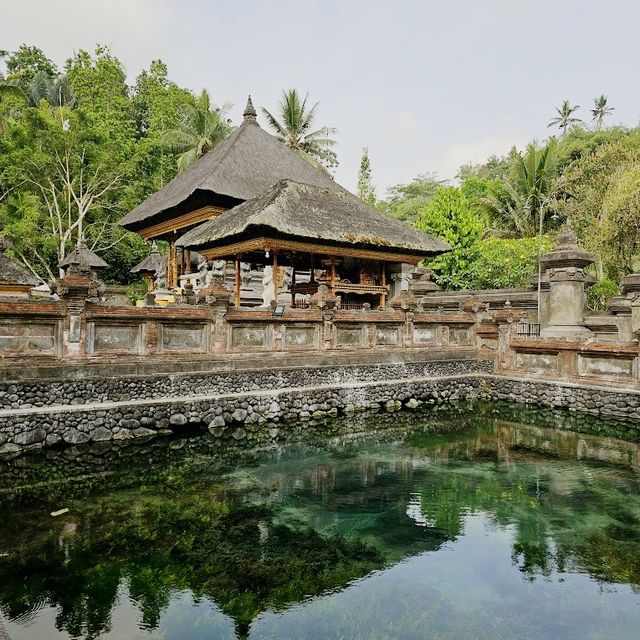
x,y
249,112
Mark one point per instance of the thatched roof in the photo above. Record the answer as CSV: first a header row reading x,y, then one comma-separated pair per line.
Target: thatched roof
x,y
12,273
153,263
314,214
82,254
240,167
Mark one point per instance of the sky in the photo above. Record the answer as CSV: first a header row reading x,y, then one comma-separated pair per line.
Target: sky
x,y
425,85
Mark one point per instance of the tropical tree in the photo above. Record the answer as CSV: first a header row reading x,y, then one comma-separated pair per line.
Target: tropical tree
x,y
24,63
449,217
527,193
202,126
366,190
565,116
405,201
601,110
295,128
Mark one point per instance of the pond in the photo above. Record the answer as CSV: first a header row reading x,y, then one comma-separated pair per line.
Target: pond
x,y
485,522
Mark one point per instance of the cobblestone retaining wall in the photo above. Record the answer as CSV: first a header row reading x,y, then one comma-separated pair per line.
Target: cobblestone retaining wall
x,y
257,406
23,395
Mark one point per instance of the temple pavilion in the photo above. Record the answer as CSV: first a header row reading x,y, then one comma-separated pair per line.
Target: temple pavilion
x,y
253,200
239,168
331,235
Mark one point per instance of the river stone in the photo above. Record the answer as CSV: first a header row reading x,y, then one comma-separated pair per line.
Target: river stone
x,y
217,422
178,419
3,438
9,449
30,437
73,436
52,439
239,433
143,431
239,415
100,434
412,403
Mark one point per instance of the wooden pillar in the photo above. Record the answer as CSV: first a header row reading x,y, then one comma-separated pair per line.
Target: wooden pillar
x,y
276,275
293,278
172,265
313,272
187,261
332,279
238,281
383,282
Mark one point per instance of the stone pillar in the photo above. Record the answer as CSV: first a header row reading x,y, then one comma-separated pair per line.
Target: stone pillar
x,y
544,311
401,276
564,267
406,302
74,289
627,307
326,302
218,297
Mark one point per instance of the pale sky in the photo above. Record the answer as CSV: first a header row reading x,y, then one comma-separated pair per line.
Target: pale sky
x,y
425,85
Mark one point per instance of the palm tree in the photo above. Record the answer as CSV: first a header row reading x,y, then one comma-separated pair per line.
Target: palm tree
x,y
527,193
565,117
601,110
54,89
295,128
201,128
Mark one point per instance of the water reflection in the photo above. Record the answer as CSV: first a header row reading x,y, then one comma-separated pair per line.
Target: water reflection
x,y
478,524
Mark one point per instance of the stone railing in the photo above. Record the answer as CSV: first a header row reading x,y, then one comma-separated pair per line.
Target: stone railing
x,y
595,360
77,329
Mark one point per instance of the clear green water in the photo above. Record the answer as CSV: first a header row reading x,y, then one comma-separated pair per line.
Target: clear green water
x,y
474,525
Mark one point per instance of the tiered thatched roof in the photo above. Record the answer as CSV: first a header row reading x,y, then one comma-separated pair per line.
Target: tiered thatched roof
x,y
312,214
240,167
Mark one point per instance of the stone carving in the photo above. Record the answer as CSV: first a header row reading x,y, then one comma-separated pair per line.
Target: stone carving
x,y
203,272
160,281
268,287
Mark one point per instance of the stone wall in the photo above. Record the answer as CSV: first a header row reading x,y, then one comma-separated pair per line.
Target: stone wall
x,y
238,406
256,405
123,388
577,397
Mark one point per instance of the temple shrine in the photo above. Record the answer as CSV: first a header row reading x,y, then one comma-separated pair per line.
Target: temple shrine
x,y
254,209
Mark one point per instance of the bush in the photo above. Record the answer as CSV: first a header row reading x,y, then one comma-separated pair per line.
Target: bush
x,y
496,263
600,293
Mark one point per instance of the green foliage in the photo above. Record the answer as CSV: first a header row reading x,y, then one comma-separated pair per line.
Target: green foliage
x,y
498,263
366,191
295,128
404,201
26,62
601,110
600,293
136,291
83,131
201,127
517,204
597,192
450,217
